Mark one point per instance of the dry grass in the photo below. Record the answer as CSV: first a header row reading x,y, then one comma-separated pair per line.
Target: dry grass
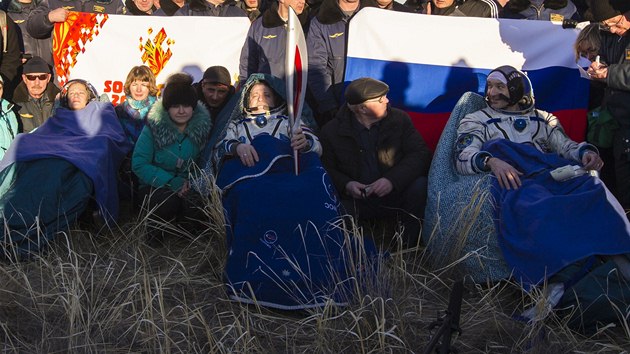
x,y
107,291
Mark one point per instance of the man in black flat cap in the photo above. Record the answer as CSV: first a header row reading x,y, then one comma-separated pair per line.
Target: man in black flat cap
x,y
377,159
613,69
35,94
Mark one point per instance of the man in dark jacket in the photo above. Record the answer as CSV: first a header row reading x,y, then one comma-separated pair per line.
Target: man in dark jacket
x,y
613,69
393,5
41,21
9,55
545,10
215,90
326,43
19,10
218,8
468,8
35,94
376,159
265,45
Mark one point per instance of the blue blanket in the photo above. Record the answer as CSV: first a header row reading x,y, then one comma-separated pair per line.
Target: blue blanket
x,y
546,225
285,250
38,199
91,139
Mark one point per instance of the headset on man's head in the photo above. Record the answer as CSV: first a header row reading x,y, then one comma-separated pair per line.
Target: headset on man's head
x,y
522,94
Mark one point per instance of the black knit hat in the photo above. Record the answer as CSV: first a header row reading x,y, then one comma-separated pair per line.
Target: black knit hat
x,y
604,9
217,75
178,90
365,88
35,65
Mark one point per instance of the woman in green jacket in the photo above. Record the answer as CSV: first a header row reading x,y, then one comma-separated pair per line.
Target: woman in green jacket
x,y
166,153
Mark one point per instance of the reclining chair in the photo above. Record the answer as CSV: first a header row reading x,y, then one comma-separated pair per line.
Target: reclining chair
x,y
459,226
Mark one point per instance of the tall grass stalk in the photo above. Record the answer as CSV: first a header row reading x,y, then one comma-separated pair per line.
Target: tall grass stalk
x,y
105,290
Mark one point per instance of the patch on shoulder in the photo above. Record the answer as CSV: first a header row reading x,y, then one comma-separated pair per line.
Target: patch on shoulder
x,y
464,141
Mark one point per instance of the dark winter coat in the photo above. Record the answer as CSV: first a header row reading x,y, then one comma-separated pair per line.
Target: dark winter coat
x,y
403,155
39,26
545,10
326,42
615,51
30,46
469,8
203,8
265,45
10,60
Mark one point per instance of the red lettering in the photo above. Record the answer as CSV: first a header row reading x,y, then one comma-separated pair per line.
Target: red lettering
x,y
118,86
108,86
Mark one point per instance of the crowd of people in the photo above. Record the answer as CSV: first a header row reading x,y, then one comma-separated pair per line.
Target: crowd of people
x,y
377,161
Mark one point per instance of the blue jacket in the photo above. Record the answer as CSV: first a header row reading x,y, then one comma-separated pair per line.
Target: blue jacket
x,y
265,46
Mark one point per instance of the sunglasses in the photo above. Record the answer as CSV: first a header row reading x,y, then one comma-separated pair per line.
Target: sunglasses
x,y
41,77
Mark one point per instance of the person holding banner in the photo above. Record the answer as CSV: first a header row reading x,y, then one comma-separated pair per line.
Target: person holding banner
x,y
326,43
139,7
218,8
41,21
471,8
545,10
265,45
165,157
377,159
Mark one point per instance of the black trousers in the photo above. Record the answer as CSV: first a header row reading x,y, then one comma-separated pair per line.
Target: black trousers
x,y
164,208
407,206
621,154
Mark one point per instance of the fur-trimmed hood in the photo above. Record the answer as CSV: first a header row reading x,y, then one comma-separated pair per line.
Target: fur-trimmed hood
x,y
330,12
165,132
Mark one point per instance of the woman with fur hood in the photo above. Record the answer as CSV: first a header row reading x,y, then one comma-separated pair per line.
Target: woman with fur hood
x,y
166,154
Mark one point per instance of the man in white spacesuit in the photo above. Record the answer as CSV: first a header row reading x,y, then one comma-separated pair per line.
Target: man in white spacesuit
x,y
511,115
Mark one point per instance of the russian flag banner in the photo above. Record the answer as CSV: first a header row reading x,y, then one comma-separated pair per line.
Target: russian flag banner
x,y
430,61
